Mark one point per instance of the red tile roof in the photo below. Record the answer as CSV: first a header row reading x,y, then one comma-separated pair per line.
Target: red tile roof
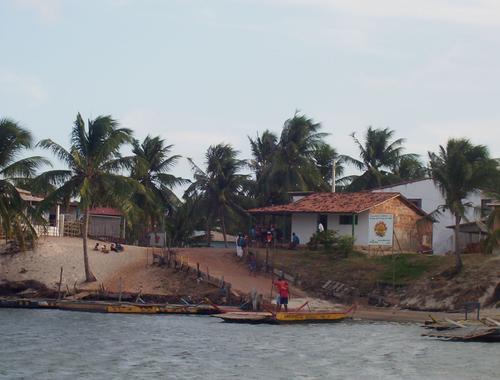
x,y
334,203
108,211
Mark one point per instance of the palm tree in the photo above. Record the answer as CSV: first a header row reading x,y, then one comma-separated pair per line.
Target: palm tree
x,y
409,168
378,156
294,167
151,164
13,210
263,151
287,164
220,188
94,162
324,157
460,169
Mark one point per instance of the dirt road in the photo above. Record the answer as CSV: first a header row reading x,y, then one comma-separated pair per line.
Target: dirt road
x,y
222,262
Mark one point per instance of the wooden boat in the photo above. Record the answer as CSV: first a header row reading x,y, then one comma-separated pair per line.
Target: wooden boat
x,y
483,330
134,308
282,317
108,307
24,303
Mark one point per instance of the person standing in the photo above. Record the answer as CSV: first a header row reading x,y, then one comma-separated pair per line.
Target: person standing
x,y
295,241
320,227
283,292
239,246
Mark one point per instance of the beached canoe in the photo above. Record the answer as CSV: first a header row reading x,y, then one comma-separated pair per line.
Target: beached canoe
x,y
283,317
134,308
108,307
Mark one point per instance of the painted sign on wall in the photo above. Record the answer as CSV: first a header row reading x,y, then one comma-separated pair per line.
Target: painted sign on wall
x,y
380,229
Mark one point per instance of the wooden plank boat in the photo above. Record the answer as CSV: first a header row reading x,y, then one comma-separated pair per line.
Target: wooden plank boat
x,y
483,330
283,317
108,307
134,308
24,303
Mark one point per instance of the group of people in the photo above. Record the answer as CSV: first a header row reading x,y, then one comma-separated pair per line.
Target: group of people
x,y
115,247
261,235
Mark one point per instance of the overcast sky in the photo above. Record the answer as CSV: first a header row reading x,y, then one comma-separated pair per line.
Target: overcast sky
x,y
201,72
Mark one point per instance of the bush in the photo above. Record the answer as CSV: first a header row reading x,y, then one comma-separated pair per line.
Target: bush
x,y
330,242
345,245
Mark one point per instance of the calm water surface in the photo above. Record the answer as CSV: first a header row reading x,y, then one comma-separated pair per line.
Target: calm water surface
x,y
51,344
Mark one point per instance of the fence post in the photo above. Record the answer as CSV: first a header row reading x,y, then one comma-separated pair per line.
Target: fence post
x,y
60,283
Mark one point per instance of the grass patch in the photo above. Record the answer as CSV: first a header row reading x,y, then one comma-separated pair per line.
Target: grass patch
x,y
358,270
406,268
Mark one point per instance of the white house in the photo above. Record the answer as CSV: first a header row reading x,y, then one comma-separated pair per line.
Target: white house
x,y
349,213
426,195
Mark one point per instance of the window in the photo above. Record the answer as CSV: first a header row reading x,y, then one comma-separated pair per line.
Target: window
x,y
347,219
416,201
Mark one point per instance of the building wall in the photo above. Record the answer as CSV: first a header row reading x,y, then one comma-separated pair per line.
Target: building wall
x,y
105,226
431,198
304,225
360,230
411,230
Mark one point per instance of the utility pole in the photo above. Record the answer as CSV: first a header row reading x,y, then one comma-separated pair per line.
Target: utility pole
x,y
334,164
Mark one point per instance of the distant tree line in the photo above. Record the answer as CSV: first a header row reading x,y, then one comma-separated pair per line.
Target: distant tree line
x,y
225,185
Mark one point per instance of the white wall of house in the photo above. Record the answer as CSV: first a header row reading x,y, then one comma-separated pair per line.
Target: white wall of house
x,y
431,198
360,229
304,225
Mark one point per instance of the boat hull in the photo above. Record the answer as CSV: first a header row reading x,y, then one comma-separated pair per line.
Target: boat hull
x,y
283,317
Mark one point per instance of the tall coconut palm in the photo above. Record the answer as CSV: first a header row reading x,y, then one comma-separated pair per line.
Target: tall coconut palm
x,y
13,211
324,157
294,167
378,155
263,151
221,187
460,169
409,167
151,165
94,163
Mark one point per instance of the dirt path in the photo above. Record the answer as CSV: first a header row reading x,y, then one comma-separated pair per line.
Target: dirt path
x,y
221,262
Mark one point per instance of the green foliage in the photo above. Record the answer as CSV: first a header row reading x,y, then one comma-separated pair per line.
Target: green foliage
x,y
155,202
288,163
330,242
220,190
15,215
382,161
404,268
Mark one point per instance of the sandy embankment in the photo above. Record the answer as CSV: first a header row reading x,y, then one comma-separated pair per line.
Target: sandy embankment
x,y
51,253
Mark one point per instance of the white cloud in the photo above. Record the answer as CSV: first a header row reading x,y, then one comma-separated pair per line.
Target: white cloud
x,y
25,86
473,12
49,11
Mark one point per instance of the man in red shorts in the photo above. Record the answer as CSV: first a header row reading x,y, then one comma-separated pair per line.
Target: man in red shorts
x,y
282,288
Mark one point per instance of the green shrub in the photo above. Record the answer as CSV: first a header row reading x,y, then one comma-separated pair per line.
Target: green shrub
x,y
345,245
330,242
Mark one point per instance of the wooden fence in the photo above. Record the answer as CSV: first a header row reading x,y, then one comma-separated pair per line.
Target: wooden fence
x,y
171,259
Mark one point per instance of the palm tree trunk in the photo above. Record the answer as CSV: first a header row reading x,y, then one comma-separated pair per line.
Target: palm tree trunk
x,y
89,276
458,258
223,221
209,232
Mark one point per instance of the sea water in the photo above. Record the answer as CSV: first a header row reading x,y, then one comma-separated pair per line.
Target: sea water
x,y
54,344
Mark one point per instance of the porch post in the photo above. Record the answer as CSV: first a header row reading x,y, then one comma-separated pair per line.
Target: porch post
x,y
58,219
353,218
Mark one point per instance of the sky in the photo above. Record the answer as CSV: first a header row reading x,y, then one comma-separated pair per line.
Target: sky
x,y
200,72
